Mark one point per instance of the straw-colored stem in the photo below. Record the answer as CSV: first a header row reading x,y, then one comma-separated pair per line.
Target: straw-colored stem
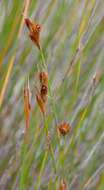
x,y
6,80
8,74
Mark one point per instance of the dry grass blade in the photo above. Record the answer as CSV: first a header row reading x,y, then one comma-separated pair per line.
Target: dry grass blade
x,y
12,58
96,173
25,12
8,74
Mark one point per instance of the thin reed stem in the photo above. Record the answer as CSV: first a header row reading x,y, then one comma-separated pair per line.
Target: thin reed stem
x,y
51,148
41,171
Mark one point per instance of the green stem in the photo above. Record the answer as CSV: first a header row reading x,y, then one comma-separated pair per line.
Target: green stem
x,y
51,149
78,75
41,171
53,107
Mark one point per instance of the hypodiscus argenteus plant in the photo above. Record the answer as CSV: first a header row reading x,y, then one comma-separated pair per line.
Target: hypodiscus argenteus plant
x,y
42,91
63,39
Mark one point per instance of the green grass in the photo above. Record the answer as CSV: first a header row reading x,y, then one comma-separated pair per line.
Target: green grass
x,y
72,41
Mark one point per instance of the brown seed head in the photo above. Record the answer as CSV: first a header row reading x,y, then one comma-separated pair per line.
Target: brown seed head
x,y
34,29
43,77
28,23
44,93
64,128
41,103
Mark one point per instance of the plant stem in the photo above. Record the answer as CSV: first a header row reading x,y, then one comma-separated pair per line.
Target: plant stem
x,y
41,171
51,149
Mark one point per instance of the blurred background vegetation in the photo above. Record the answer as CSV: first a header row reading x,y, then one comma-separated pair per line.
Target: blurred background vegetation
x,y
72,39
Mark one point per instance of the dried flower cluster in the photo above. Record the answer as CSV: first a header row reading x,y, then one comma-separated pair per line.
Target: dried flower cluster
x,y
63,128
43,77
34,29
42,93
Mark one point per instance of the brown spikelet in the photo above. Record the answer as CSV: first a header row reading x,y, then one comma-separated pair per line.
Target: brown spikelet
x,y
64,128
43,77
34,29
44,93
27,105
41,103
63,185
